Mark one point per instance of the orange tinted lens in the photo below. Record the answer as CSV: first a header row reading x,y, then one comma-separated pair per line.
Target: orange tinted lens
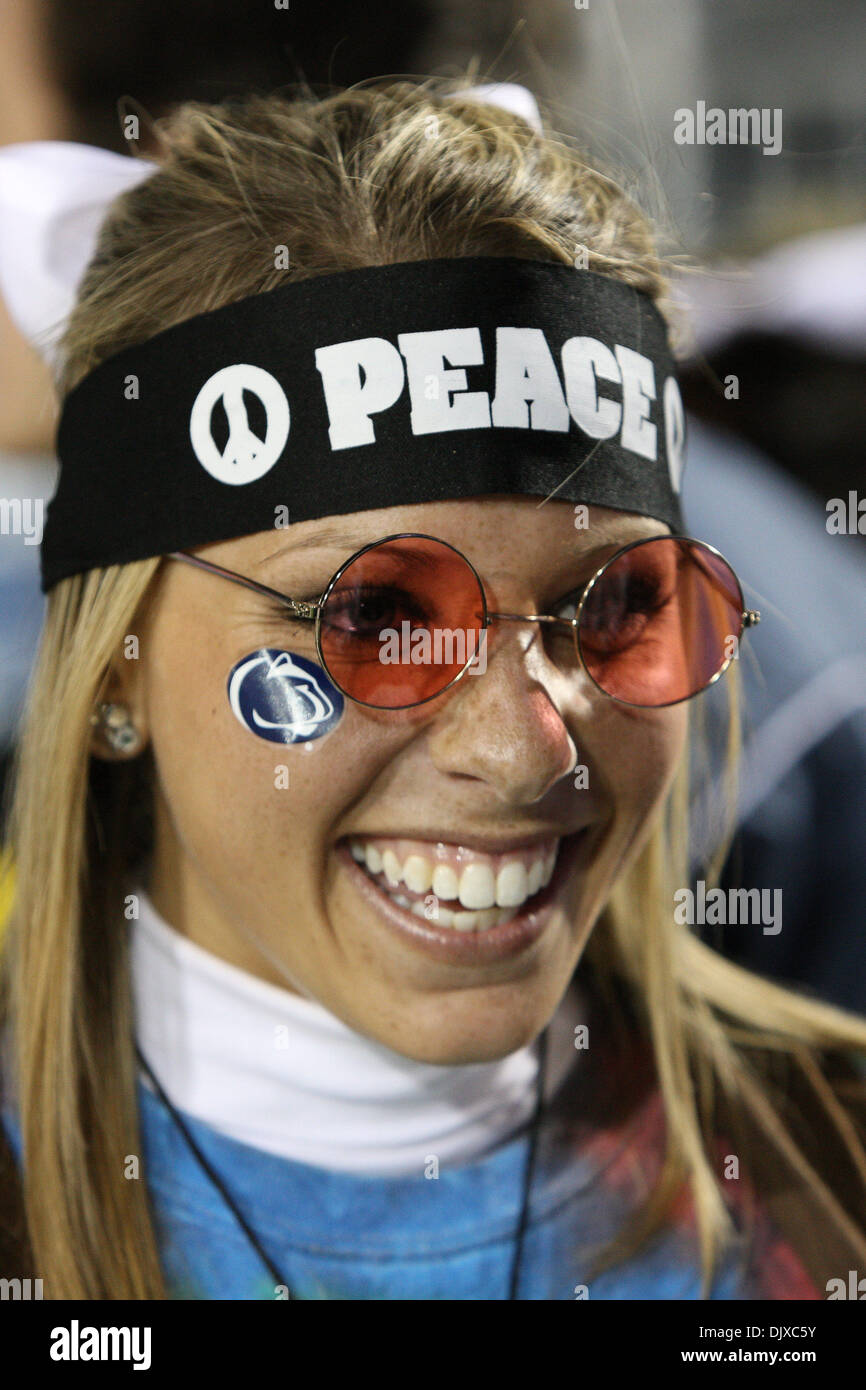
x,y
660,622
401,622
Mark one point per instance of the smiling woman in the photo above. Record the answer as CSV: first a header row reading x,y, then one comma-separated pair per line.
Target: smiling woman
x,y
370,966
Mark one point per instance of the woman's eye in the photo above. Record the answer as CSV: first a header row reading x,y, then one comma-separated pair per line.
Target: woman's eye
x,y
621,610
369,610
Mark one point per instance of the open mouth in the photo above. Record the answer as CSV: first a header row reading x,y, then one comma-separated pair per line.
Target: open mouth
x,y
454,887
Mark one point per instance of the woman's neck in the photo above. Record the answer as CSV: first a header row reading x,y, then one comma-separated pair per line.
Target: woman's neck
x,y
280,1073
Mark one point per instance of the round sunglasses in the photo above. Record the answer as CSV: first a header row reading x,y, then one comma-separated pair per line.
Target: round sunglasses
x,y
406,617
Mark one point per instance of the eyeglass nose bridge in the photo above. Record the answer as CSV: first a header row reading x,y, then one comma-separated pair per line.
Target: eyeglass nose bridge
x,y
533,618
549,618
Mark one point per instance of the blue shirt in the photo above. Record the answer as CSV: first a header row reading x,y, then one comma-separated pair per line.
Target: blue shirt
x,y
338,1235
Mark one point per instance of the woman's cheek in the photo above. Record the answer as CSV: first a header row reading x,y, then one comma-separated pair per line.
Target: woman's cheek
x,y
636,753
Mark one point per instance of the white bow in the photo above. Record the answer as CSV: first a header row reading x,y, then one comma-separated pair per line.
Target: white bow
x,y
54,196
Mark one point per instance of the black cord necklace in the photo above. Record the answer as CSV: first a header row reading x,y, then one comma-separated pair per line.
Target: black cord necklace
x,y
279,1280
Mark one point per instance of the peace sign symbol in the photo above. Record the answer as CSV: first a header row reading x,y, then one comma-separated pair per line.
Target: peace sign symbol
x,y
246,457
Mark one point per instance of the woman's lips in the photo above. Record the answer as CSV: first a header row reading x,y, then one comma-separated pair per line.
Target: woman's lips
x,y
515,891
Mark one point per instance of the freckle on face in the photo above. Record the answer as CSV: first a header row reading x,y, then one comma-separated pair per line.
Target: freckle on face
x,y
251,869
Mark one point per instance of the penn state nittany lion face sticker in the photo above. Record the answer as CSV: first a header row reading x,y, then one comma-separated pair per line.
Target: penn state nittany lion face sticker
x,y
283,697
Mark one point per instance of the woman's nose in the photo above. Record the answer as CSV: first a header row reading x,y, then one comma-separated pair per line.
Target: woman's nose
x,y
503,726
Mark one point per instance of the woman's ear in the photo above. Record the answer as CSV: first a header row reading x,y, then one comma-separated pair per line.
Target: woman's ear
x,y
119,718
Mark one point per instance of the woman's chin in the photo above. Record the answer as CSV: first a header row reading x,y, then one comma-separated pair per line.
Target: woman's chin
x,y
466,1031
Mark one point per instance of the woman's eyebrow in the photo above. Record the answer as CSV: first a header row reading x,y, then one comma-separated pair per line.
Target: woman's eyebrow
x,y
330,538
621,532
606,534
585,562
612,537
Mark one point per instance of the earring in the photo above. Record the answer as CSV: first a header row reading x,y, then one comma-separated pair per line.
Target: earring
x,y
118,729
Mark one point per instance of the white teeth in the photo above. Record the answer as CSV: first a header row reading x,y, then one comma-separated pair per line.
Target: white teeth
x,y
477,886
444,881
470,921
487,899
511,888
533,878
418,873
391,867
461,921
477,921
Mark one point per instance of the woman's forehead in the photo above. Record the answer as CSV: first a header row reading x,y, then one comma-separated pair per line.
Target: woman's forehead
x,y
503,527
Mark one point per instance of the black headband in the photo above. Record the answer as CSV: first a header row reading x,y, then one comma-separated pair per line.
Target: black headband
x,y
369,388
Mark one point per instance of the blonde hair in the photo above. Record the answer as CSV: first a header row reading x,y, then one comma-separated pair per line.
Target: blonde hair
x,y
378,174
